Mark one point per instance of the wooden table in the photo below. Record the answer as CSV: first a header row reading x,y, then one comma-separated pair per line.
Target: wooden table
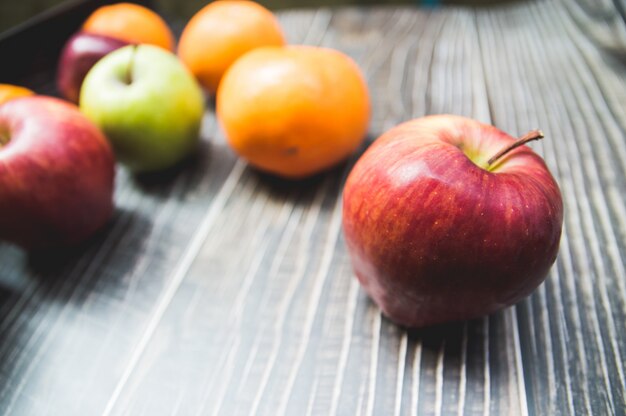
x,y
219,290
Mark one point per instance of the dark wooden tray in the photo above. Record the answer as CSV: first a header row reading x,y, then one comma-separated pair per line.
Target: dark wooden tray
x,y
218,290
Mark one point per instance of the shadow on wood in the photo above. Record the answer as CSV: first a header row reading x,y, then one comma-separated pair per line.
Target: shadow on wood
x,y
191,168
68,275
302,191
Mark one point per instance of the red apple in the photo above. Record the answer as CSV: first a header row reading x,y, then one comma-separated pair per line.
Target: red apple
x,y
438,229
56,174
79,54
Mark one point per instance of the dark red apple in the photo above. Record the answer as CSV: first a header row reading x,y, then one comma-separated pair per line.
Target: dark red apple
x,y
79,54
446,219
56,174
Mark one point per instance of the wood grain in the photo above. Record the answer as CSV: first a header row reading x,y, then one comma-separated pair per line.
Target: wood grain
x,y
220,290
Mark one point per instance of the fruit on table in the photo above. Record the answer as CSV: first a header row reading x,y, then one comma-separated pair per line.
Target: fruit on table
x,y
9,92
294,111
438,229
79,55
223,31
131,23
56,174
148,105
105,30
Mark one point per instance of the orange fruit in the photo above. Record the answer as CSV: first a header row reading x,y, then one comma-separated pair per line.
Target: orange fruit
x,y
295,110
9,92
223,31
132,23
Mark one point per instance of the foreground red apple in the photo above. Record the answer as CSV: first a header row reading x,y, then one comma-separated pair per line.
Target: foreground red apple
x,y
438,232
56,174
79,54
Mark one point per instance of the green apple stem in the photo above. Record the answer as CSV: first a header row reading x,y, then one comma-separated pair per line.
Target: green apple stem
x,y
129,70
528,137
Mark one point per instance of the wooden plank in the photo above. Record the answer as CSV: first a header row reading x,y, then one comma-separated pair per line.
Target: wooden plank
x,y
219,290
301,355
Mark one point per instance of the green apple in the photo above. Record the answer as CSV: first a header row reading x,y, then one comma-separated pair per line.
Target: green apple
x,y
148,105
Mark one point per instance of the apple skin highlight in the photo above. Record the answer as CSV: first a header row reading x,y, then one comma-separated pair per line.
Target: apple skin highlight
x,y
56,174
434,237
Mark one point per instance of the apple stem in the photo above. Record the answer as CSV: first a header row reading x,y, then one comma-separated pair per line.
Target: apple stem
x,y
129,69
4,138
528,137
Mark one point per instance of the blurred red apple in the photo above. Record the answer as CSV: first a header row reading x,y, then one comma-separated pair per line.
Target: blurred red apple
x,y
79,54
56,174
438,229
